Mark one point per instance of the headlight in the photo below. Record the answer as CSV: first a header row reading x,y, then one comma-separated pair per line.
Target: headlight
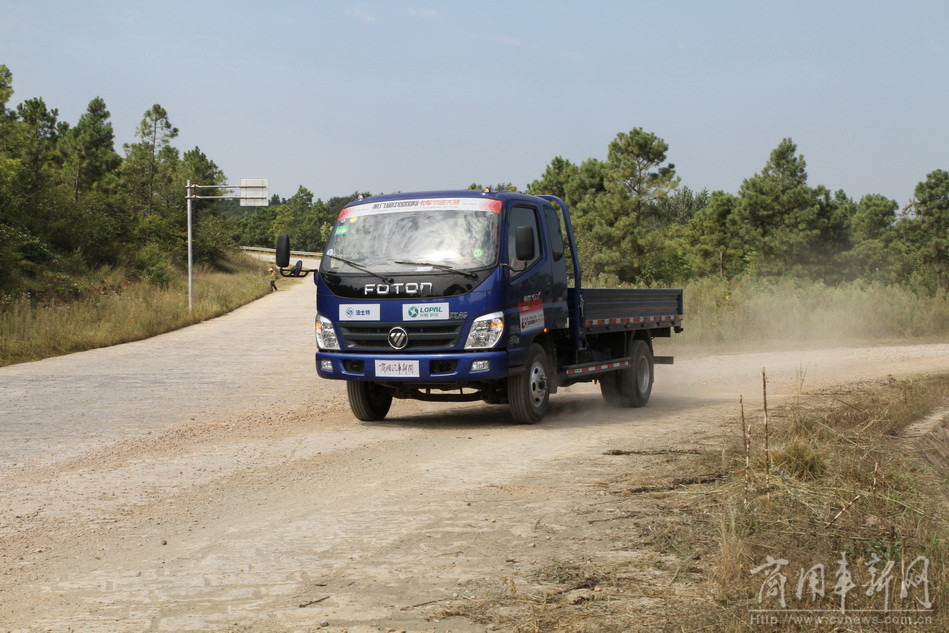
x,y
485,331
325,334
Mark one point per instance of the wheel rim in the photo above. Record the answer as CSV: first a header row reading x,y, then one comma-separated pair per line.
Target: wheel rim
x,y
538,384
642,374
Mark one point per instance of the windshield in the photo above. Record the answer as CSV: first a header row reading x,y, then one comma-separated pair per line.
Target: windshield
x,y
405,236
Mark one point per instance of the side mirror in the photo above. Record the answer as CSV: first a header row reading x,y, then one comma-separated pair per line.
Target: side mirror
x,y
295,271
524,243
283,251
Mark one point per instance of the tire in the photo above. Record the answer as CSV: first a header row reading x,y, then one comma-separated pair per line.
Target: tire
x,y
529,392
369,401
630,387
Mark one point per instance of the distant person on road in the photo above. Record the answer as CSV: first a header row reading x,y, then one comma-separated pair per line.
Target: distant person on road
x,y
273,280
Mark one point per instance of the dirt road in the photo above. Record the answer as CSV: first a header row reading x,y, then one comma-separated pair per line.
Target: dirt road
x,y
206,480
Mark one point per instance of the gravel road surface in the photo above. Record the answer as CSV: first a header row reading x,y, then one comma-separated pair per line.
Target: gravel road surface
x,y
207,480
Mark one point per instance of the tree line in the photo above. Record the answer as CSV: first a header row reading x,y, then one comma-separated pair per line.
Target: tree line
x,y
307,220
636,223
71,204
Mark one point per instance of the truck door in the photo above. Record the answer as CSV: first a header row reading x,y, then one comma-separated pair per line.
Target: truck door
x,y
556,311
530,282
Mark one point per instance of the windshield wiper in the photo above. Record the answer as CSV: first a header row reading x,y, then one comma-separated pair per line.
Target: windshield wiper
x,y
440,267
360,267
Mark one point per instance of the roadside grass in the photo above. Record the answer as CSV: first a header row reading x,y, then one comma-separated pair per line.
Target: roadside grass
x,y
858,471
117,310
846,480
750,313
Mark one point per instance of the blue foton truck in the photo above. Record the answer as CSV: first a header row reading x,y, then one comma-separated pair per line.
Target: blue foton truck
x,y
474,295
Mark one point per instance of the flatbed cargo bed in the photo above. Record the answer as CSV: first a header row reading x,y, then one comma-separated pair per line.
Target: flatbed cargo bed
x,y
611,309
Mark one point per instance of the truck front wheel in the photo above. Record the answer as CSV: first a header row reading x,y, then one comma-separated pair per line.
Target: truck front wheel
x,y
529,392
369,401
630,387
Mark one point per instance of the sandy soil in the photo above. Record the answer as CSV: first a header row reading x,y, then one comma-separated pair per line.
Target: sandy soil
x,y
286,514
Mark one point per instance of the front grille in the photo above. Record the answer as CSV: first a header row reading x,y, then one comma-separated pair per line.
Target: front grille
x,y
422,336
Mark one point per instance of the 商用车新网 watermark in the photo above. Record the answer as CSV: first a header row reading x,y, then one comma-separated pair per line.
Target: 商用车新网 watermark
x,y
894,598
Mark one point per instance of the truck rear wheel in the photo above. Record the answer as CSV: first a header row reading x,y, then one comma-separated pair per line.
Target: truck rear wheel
x,y
529,392
630,387
369,401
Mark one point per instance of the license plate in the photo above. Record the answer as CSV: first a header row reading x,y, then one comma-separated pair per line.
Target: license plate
x,y
397,368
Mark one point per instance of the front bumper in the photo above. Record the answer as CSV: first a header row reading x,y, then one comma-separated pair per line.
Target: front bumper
x,y
443,368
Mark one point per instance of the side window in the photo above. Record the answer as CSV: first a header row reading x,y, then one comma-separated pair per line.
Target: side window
x,y
522,216
554,233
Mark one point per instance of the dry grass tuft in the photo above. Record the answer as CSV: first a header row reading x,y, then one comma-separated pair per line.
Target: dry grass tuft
x,y
801,460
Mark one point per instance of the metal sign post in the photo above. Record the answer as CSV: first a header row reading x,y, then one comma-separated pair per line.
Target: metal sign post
x,y
190,257
253,192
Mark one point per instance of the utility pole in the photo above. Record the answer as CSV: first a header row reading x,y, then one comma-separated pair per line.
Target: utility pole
x,y
252,192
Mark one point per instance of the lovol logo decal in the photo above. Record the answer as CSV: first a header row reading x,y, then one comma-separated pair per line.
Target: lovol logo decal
x,y
411,288
425,311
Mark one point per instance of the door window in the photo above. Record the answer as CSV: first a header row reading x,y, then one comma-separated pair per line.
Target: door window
x,y
522,216
554,234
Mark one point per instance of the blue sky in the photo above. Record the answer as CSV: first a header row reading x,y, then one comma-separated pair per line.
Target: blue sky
x,y
339,96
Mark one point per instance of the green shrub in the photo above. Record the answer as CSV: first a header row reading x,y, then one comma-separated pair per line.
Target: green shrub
x,y
153,266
